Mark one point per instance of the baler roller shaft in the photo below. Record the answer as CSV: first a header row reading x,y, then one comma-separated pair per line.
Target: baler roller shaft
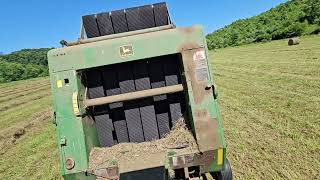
x,y
120,35
133,95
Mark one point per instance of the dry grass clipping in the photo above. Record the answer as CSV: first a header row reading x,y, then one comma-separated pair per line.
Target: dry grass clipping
x,y
178,138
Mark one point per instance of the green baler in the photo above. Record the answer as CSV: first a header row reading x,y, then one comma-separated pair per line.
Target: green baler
x,y
130,86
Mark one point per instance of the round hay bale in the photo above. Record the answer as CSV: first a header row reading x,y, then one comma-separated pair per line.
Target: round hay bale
x,y
293,41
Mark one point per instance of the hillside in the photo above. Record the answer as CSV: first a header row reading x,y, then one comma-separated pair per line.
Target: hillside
x,y
27,136
269,97
33,56
293,18
23,64
12,71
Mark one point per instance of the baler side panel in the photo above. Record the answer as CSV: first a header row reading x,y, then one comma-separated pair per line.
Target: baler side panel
x,y
70,128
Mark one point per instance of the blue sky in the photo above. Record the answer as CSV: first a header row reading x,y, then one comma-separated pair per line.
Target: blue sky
x,y
41,23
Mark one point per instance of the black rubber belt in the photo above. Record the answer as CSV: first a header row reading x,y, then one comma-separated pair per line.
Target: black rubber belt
x,y
172,77
104,128
140,17
105,24
119,21
161,14
157,77
162,113
147,111
120,125
111,84
131,19
131,108
146,17
90,25
103,122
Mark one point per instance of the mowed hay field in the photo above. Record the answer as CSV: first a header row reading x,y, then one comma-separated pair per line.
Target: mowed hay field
x,y
270,101
28,147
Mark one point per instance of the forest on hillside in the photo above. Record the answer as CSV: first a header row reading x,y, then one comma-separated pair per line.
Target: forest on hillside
x,y
293,18
290,19
23,64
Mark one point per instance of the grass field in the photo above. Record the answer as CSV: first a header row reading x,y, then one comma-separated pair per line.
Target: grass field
x,y
27,137
270,102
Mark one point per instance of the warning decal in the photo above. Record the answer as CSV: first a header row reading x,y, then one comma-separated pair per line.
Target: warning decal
x,y
202,74
199,58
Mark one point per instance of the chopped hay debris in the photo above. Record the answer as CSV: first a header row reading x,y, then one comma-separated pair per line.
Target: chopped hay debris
x,y
179,138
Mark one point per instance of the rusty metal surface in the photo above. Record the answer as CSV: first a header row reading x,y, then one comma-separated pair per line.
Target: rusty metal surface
x,y
180,161
205,127
206,131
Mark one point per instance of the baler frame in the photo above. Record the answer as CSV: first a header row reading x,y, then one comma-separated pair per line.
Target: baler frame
x,y
77,132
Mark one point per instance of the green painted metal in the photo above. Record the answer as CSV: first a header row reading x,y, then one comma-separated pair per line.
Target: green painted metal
x,y
78,132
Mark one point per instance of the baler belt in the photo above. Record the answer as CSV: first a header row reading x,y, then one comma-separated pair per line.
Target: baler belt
x,y
103,122
94,84
120,126
146,17
175,108
136,101
147,111
132,114
157,78
161,14
104,128
111,85
133,19
91,26
157,81
140,18
119,21
130,19
131,109
172,78
105,24
162,113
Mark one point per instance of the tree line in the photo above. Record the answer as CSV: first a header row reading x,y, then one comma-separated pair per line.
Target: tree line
x,y
23,64
290,19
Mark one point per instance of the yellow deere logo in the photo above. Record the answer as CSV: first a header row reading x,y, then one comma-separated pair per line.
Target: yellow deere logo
x,y
126,51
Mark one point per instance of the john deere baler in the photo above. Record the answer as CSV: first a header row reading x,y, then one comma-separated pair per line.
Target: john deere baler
x,y
130,80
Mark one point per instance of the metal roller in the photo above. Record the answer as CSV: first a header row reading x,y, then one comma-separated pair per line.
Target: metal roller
x,y
133,95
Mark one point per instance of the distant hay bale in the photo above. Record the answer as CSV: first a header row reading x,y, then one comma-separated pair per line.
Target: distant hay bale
x,y
293,41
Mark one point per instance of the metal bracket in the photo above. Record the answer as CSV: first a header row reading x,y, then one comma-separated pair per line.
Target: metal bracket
x,y
75,104
63,141
215,94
